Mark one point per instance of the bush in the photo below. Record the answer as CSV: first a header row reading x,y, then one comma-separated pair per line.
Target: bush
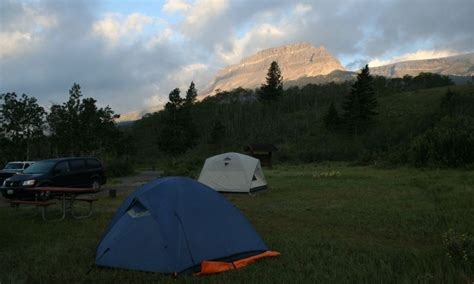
x,y
460,250
118,168
450,143
189,164
181,167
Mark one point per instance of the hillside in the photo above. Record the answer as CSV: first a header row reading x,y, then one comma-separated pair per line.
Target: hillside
x,y
295,124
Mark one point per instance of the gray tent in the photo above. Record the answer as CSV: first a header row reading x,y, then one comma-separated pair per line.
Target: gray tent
x,y
233,172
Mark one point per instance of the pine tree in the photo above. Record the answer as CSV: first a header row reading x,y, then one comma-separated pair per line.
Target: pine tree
x,y
331,119
179,132
360,104
273,88
191,94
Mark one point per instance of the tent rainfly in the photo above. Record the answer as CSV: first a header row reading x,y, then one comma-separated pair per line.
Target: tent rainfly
x,y
233,172
178,225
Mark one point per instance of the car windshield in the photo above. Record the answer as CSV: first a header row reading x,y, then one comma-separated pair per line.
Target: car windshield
x,y
40,167
14,166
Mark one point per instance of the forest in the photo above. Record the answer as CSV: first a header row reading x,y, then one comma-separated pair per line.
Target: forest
x,y
422,121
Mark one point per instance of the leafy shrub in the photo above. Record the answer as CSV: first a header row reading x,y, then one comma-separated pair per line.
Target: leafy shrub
x,y
460,249
188,164
118,168
450,143
180,167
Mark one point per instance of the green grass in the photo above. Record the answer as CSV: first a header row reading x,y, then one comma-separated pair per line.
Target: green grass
x,y
359,224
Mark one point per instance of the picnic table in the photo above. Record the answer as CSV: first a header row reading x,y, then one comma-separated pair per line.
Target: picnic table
x,y
68,196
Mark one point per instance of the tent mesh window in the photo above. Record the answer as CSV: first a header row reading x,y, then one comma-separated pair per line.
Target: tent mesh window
x,y
137,210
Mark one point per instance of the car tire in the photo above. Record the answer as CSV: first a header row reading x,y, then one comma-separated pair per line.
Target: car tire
x,y
95,184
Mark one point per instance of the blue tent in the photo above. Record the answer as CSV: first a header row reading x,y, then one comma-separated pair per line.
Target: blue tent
x,y
176,224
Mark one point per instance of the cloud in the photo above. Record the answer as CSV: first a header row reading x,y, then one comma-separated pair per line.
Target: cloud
x,y
21,26
187,73
160,38
406,25
115,26
72,51
418,55
17,16
257,38
202,15
131,56
176,5
302,8
13,43
156,101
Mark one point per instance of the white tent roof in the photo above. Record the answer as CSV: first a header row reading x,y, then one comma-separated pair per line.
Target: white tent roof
x,y
233,172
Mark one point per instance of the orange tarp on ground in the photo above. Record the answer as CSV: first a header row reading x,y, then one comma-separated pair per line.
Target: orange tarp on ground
x,y
210,267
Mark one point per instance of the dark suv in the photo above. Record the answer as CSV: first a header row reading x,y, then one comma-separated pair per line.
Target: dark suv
x,y
63,172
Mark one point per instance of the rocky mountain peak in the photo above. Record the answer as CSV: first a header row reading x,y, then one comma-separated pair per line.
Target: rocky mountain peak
x,y
458,65
295,61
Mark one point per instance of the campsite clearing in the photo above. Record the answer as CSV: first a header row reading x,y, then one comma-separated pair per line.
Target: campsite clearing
x,y
331,222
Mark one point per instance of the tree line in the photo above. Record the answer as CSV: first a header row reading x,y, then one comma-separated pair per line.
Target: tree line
x,y
177,131
76,127
333,121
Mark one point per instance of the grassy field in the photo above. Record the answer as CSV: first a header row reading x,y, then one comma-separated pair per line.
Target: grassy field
x,y
331,223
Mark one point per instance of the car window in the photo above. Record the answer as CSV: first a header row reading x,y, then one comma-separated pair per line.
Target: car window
x,y
40,167
14,166
93,164
77,165
62,167
26,165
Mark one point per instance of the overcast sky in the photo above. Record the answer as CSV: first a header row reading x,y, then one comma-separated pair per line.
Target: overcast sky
x,y
130,54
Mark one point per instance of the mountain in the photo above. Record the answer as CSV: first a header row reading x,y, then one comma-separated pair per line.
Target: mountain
x,y
458,65
295,61
136,115
459,68
303,64
336,76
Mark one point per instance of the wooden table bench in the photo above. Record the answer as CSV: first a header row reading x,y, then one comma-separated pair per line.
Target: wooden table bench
x,y
42,204
67,197
89,200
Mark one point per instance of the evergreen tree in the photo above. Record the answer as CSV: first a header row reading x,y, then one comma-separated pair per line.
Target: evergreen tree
x,y
273,88
331,119
178,133
360,104
191,94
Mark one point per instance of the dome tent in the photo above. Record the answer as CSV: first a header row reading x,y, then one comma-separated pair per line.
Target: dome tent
x,y
174,225
233,172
